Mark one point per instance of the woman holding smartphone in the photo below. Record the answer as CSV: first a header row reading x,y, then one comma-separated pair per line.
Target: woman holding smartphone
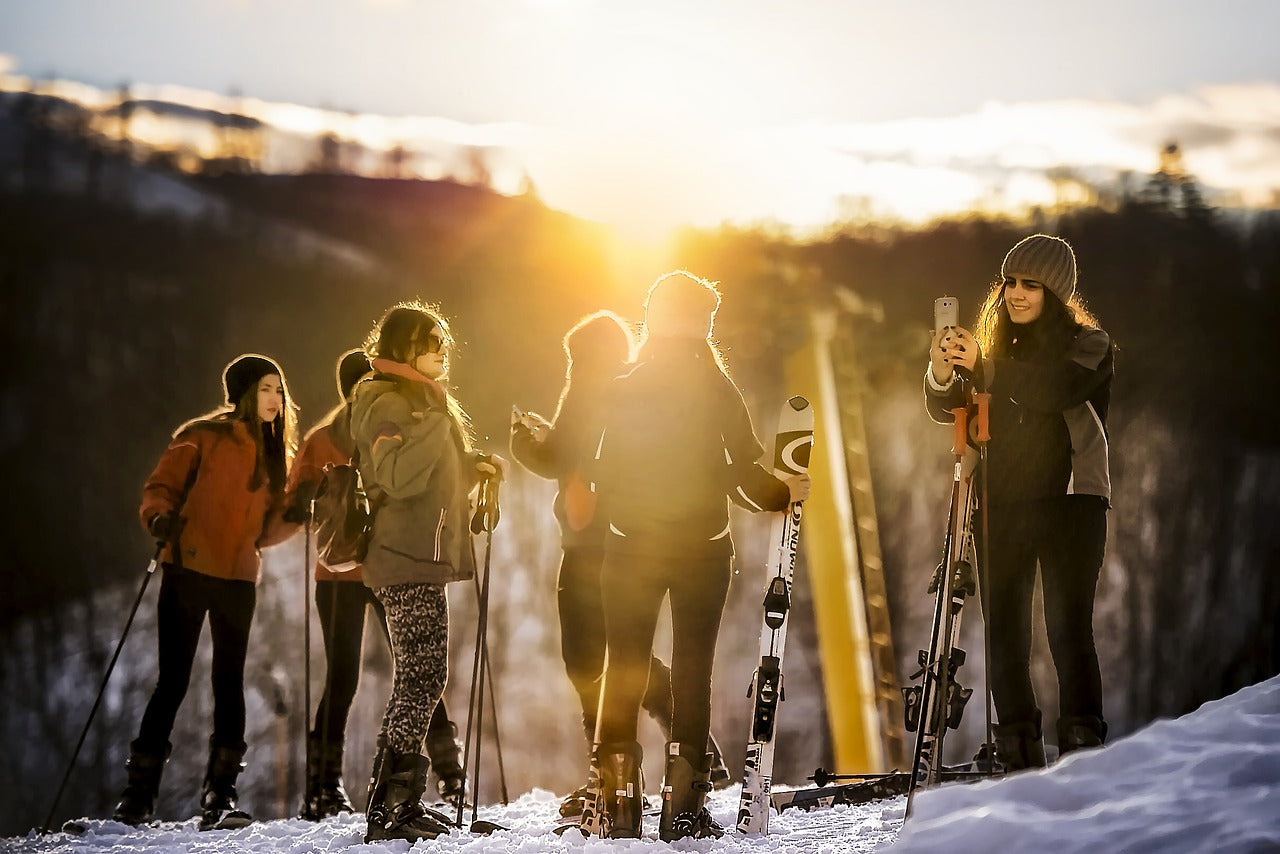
x,y
1048,367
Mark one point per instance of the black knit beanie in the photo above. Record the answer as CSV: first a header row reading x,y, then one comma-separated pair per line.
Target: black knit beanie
x,y
353,365
244,372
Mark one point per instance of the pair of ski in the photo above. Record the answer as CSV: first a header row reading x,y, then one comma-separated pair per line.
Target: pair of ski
x,y
792,445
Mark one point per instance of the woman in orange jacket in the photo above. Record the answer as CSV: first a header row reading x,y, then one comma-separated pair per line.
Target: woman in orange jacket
x,y
341,601
214,499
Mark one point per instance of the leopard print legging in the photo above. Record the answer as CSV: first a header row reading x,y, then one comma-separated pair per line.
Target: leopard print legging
x,y
418,621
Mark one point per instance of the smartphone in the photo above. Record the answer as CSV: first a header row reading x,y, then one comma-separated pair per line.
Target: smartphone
x,y
946,313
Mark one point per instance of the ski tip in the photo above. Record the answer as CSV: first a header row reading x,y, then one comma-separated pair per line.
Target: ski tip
x,y
798,403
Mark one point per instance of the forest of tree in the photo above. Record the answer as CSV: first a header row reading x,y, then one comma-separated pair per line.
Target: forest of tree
x,y
117,324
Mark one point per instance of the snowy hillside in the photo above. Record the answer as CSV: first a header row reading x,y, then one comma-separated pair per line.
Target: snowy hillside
x,y
1206,782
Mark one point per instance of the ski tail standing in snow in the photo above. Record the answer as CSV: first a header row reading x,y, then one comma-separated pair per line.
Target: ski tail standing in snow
x,y
341,600
216,497
791,458
414,446
598,348
676,446
1048,368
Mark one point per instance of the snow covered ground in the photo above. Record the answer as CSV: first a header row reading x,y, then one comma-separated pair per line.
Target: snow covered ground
x,y
1206,782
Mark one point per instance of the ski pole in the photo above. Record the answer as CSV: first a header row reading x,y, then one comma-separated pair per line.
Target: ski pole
x,y
75,754
983,435
306,649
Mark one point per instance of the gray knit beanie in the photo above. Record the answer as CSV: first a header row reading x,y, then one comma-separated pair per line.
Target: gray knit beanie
x,y
1047,259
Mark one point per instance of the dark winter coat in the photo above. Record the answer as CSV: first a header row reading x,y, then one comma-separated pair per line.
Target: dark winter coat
x,y
1049,402
329,443
414,461
207,474
677,444
566,455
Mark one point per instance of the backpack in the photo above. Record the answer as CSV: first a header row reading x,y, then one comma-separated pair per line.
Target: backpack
x,y
343,516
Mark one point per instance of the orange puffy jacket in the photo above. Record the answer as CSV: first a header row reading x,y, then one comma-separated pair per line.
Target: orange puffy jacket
x,y
324,444
205,475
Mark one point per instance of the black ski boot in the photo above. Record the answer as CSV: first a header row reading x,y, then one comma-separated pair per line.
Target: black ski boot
x,y
657,702
622,788
684,796
1019,745
218,809
145,768
326,796
395,808
446,761
1078,733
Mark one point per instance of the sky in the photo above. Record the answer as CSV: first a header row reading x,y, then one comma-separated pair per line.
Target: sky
x,y
651,114
1206,782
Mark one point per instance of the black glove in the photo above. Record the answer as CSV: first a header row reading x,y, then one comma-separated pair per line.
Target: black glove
x,y
299,511
165,526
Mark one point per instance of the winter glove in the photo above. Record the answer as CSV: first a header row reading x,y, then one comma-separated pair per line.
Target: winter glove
x,y
299,511
165,526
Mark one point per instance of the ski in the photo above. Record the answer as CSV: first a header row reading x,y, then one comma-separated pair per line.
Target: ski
x,y
874,787
792,446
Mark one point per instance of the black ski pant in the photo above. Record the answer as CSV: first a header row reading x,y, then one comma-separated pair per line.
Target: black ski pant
x,y
186,597
1067,535
341,605
633,589
582,641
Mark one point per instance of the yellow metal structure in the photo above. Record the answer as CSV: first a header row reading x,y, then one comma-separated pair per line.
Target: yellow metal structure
x,y
842,552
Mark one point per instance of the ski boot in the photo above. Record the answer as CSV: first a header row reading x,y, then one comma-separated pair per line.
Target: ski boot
x,y
1020,745
218,809
622,789
145,768
326,796
446,762
684,796
1078,733
395,808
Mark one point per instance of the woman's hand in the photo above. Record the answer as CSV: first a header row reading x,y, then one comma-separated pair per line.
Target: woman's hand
x,y
938,362
798,485
491,464
960,349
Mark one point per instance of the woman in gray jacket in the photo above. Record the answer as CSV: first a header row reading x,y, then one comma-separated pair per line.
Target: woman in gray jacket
x,y
419,467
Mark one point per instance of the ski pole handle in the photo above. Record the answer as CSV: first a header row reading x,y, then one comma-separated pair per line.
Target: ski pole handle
x,y
961,437
983,428
487,511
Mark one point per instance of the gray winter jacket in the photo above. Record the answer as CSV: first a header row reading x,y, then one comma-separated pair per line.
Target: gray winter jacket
x,y
418,475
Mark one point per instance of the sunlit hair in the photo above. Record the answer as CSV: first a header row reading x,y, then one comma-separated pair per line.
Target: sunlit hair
x,y
401,335
273,457
995,330
684,303
597,348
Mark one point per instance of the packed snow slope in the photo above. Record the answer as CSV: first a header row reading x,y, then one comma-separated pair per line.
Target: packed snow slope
x,y
1206,782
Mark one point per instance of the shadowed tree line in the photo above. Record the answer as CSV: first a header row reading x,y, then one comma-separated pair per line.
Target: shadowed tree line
x,y
117,326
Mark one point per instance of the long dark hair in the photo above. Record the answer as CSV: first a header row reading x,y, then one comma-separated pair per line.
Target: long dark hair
x,y
394,338
1059,321
276,441
597,348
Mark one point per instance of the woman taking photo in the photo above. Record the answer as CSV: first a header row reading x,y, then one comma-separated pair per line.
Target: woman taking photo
x,y
214,499
1048,367
418,467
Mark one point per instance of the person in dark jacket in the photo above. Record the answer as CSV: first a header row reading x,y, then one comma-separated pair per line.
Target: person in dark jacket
x,y
1048,367
341,601
676,445
214,499
419,467
597,348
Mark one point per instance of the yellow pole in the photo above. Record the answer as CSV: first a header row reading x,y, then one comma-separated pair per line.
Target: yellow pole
x,y
831,555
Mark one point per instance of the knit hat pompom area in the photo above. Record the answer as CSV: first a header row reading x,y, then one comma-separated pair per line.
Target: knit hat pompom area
x,y
243,373
1047,259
